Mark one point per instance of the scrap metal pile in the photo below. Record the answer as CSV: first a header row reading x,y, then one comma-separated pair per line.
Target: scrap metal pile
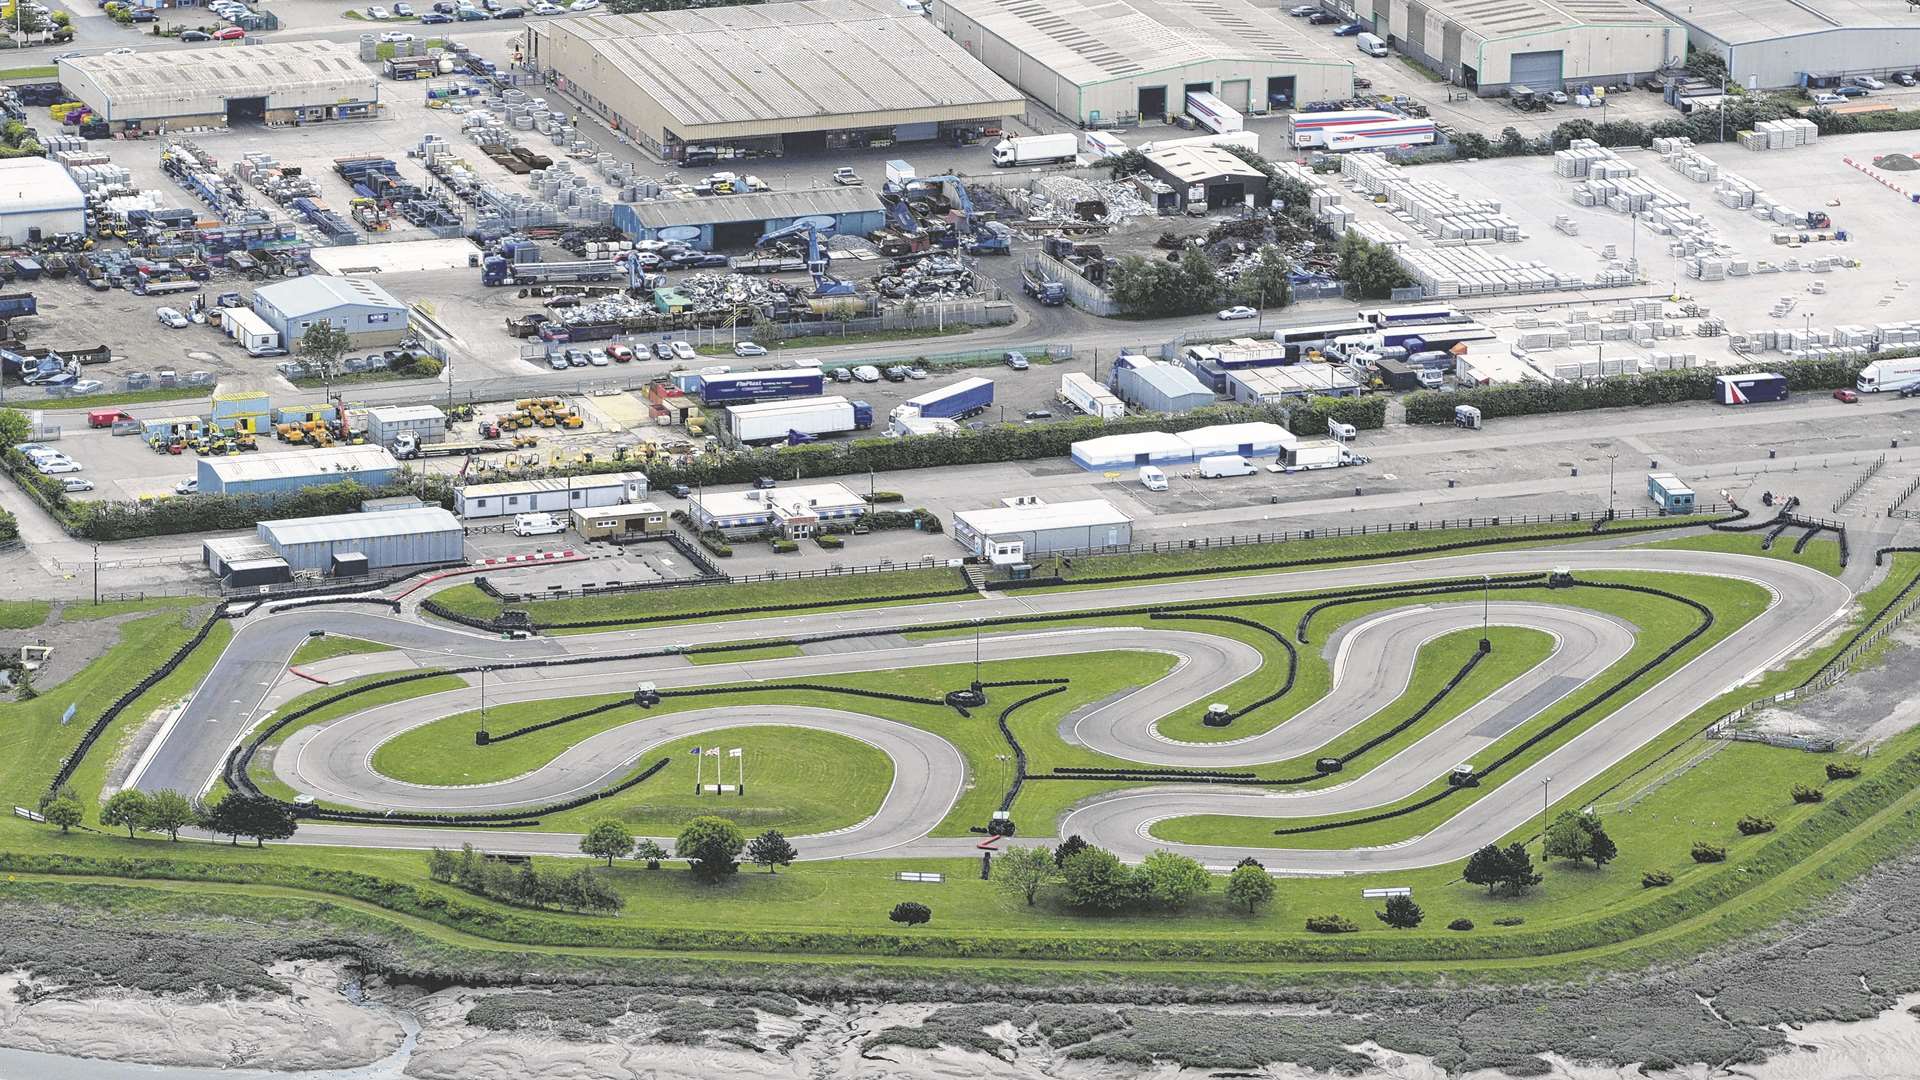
x,y
1071,200
936,277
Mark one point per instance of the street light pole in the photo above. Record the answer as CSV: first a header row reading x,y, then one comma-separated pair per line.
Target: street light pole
x,y
1611,458
96,575
1545,799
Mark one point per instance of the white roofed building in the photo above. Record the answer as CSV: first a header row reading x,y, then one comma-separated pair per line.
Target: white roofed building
x,y
1024,529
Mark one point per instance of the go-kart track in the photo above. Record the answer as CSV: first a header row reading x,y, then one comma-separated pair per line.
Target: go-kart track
x,y
1372,660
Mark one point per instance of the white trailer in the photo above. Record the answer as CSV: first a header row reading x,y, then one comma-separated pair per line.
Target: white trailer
x,y
1212,113
1357,129
1036,149
1090,397
1245,140
1103,144
1313,454
1889,375
251,331
775,421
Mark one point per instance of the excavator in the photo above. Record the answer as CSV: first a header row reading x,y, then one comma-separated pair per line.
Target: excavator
x,y
825,285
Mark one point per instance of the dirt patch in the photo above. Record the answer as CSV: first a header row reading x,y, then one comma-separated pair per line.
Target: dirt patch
x,y
1862,710
1896,163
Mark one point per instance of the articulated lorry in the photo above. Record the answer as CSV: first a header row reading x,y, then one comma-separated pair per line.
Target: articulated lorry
x,y
1889,375
496,270
1036,150
407,445
1357,129
1049,293
960,401
797,421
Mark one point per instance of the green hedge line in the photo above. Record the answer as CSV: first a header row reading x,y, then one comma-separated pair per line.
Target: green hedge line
x,y
1366,413
1621,391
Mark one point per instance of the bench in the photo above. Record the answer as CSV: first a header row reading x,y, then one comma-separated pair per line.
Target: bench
x,y
916,875
1382,894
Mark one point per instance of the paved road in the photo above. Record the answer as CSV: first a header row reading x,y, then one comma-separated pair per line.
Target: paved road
x,y
1372,658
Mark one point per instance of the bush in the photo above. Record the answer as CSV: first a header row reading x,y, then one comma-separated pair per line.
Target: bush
x,y
1843,770
1803,793
886,497
421,366
716,543
1655,879
1309,418
1754,826
1704,852
785,547
1623,391
910,913
1460,924
829,542
1331,924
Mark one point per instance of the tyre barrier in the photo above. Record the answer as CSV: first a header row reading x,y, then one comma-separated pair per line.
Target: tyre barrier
x,y
440,611
71,763
290,605
1751,526
1800,545
1654,525
1473,780
1398,592
1766,542
1019,752
1286,686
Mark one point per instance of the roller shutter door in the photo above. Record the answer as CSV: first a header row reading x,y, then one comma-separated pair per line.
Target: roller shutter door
x,y
1540,70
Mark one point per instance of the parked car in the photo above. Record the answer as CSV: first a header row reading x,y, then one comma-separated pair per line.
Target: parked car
x,y
1303,10
680,350
171,319
620,353
1850,91
195,35
841,374
378,12
1016,361
404,11
916,373
748,348
124,50
577,358
558,362
896,373
1824,98
1352,29
845,175
75,483
1847,396
1323,18
680,491
1868,81
544,8
53,468
763,482
1902,78
187,487
1238,312
395,35
84,387
434,18
231,33
510,13
1039,414
583,5
468,14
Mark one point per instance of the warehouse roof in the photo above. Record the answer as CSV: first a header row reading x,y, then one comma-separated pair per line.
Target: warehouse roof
x,y
1040,517
322,71
301,464
349,527
400,414
733,504
1090,41
556,483
790,60
1763,20
315,293
1193,164
33,184
1507,18
1169,379
756,206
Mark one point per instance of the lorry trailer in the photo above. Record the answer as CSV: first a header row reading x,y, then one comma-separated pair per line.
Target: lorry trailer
x,y
743,386
496,270
1036,150
407,445
1357,129
1314,454
1037,285
1245,140
963,400
1754,389
1087,395
1889,375
1213,114
806,418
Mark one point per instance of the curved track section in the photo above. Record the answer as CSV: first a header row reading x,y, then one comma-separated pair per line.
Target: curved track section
x,y
1373,660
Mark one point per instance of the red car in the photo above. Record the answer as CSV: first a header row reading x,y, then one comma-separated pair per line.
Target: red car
x,y
1847,396
620,353
231,33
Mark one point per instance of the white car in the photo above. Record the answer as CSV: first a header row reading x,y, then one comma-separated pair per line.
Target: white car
x,y
1828,99
405,11
54,468
86,386
682,351
173,319
583,5
544,8
395,36
377,12
125,50
75,483
187,487
1867,81
1241,312
748,348
598,359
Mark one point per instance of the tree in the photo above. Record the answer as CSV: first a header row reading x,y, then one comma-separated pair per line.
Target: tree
x,y
1024,869
910,913
324,343
168,811
1485,867
240,815
127,808
1264,284
607,840
1068,848
1509,868
1173,879
14,428
63,809
1402,913
1519,875
1096,878
711,846
770,849
1249,887
1579,837
650,852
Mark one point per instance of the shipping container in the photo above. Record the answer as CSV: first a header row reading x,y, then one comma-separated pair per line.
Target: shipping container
x,y
1668,493
1750,389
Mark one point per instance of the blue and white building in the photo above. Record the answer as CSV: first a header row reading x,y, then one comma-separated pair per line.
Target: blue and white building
x,y
368,313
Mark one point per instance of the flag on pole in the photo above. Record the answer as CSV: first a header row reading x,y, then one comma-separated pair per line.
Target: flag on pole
x,y
713,751
735,752
695,751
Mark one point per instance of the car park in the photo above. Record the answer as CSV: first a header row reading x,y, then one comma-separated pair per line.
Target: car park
x,y
748,348
171,319
682,351
1239,312
1016,361
74,483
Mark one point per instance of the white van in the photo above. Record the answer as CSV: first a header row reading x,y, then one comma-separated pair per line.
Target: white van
x,y
1152,478
537,525
1225,465
1371,44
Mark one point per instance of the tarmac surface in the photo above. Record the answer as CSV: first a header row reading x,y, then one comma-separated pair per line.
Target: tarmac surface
x,y
1370,659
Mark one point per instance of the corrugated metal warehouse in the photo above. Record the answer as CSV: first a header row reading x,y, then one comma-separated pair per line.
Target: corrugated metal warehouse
x,y
385,423
38,199
368,313
551,496
1157,386
390,538
286,82
1117,61
1272,385
266,474
736,221
1489,45
1772,43
1210,176
1013,533
805,75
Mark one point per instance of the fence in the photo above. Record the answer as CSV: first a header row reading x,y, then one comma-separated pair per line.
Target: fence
x,y
1830,673
1895,510
1866,477
1081,293
836,570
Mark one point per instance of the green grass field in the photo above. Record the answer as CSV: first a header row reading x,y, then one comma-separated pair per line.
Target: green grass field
x,y
1821,554
78,611
314,650
23,614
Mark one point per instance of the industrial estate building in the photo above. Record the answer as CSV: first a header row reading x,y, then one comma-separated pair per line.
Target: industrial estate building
x,y
38,199
1157,386
1209,176
1025,528
736,221
797,76
1120,61
346,544
793,511
368,313
1490,45
622,520
550,496
288,82
1772,43
271,474
1249,440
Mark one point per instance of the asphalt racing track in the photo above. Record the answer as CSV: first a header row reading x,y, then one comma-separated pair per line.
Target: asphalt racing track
x,y
1372,659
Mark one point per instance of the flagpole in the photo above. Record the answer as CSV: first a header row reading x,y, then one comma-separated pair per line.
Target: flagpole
x,y
743,774
699,757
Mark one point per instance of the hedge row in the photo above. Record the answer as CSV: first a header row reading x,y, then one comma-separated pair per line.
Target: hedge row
x,y
1309,418
1619,391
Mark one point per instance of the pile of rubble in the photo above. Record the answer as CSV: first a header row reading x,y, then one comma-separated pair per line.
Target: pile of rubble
x,y
1059,197
936,277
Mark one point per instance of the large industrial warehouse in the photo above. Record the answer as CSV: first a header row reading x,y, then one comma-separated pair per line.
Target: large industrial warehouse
x,y
736,221
1773,43
292,82
1121,61
1490,45
795,76
38,198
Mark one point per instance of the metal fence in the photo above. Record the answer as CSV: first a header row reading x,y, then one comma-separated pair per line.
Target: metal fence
x,y
1895,510
1866,477
1830,673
